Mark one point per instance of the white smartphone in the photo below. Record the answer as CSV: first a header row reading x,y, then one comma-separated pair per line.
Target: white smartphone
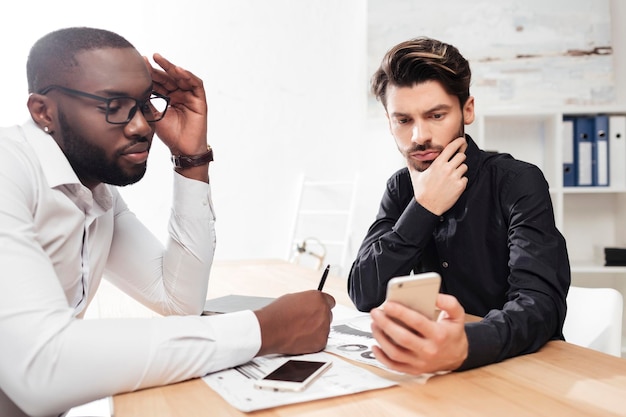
x,y
418,292
293,375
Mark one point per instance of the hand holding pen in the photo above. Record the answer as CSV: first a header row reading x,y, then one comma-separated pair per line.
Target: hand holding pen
x,y
308,326
320,287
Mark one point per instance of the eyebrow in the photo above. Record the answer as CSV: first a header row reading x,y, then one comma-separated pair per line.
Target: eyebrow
x,y
434,109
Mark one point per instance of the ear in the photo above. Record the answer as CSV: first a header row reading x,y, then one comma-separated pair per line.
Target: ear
x,y
468,111
42,111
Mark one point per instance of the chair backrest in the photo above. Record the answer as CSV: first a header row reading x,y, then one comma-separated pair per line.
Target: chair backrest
x,y
322,226
594,319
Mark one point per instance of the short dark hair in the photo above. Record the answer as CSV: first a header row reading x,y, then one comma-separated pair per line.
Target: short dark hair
x,y
423,59
53,55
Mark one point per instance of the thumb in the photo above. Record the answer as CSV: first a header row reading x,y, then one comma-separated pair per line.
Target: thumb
x,y
450,307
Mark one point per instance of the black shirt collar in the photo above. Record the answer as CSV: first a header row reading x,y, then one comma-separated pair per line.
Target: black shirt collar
x,y
472,159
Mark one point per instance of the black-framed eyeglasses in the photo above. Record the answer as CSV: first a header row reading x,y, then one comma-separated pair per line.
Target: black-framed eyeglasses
x,y
121,110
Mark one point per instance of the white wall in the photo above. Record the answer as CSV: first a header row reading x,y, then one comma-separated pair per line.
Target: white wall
x,y
618,34
285,95
286,83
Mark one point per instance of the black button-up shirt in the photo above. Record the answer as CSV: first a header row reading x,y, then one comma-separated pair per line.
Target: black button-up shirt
x,y
497,249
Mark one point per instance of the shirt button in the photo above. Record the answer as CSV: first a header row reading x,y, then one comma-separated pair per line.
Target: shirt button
x,y
441,219
444,264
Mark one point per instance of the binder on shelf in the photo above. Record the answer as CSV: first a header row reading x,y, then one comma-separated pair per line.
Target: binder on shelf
x,y
601,145
617,151
569,166
584,150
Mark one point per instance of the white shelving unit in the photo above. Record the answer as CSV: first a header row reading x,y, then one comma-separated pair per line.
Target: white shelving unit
x,y
590,218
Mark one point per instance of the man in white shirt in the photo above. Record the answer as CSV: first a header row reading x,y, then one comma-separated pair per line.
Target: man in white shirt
x,y
95,105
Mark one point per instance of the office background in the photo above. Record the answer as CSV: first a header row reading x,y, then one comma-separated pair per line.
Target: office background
x,y
287,88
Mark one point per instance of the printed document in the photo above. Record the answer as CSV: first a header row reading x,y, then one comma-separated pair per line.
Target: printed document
x,y
236,385
351,337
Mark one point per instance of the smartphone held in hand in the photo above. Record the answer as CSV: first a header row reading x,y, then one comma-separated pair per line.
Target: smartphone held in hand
x,y
418,292
293,375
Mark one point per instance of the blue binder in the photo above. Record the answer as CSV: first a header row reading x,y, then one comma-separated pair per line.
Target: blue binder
x,y
584,152
601,145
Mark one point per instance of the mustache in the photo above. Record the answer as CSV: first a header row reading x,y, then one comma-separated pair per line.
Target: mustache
x,y
133,143
423,147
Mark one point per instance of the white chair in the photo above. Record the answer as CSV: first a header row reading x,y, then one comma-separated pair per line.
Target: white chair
x,y
594,319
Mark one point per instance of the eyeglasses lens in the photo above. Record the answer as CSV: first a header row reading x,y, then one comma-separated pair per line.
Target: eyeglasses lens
x,y
123,109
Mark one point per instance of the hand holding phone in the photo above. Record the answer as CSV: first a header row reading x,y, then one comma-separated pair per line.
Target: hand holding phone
x,y
293,375
418,292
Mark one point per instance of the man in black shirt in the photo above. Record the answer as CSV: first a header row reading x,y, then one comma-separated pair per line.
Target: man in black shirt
x,y
482,220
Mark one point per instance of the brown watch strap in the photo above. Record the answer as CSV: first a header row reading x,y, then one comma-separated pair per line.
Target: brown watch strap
x,y
190,161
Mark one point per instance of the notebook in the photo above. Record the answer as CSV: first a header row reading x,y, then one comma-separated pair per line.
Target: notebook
x,y
234,302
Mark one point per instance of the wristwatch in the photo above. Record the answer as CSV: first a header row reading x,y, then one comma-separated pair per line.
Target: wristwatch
x,y
186,161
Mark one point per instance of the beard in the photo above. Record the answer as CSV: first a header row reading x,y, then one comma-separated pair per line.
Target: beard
x,y
421,166
90,161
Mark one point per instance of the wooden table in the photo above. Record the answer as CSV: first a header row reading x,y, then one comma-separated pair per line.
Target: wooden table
x,y
560,380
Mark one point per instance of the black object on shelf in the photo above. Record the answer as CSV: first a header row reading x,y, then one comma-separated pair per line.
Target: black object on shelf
x,y
614,256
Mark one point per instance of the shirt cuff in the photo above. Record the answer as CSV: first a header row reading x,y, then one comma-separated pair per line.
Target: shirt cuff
x,y
483,343
192,198
238,336
413,214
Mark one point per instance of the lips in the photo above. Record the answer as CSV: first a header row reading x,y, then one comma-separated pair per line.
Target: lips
x,y
138,153
424,156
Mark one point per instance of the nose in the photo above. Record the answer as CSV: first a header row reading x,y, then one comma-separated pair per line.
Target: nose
x,y
420,133
137,125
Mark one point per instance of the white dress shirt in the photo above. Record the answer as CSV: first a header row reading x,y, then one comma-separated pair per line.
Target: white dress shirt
x,y
57,241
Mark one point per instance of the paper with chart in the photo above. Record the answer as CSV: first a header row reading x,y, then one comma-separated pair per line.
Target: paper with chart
x,y
236,385
352,338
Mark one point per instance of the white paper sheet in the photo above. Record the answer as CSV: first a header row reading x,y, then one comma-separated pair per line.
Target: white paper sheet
x,y
236,385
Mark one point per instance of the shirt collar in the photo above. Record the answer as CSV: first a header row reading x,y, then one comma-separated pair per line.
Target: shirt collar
x,y
55,166
472,158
